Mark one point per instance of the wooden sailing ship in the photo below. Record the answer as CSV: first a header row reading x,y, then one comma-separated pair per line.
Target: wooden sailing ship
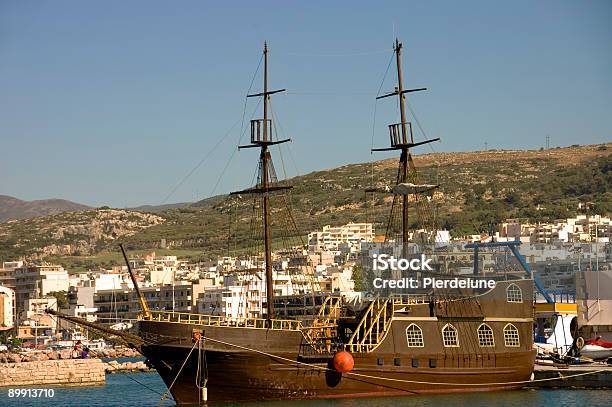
x,y
399,345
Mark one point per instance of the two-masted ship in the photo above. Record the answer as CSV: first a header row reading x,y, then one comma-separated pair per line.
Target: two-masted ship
x,y
391,345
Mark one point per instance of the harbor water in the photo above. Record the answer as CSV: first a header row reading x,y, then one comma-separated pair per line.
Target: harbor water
x,y
145,389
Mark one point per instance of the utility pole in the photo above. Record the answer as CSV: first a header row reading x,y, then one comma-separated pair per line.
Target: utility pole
x,y
547,141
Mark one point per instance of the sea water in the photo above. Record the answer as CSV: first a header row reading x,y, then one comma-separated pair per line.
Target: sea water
x,y
145,389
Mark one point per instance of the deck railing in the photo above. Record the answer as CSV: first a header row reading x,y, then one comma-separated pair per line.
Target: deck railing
x,y
409,299
219,320
323,331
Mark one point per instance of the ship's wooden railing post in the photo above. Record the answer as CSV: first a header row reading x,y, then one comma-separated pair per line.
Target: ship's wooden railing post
x,y
219,320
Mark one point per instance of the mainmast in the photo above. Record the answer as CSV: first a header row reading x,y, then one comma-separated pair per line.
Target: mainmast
x,y
402,139
261,137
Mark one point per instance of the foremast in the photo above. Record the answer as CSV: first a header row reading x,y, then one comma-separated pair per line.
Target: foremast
x,y
261,137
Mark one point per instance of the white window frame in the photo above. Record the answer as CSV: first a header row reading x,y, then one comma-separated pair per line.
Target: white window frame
x,y
514,293
512,336
415,341
487,344
451,328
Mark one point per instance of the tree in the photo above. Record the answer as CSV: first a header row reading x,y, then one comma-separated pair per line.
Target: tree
x,y
358,277
62,299
512,198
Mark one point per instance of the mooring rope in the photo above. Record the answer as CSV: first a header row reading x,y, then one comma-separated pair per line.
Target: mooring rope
x,y
126,374
360,375
165,395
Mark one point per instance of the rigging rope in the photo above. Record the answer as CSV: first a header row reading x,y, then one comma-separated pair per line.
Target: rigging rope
x,y
210,152
128,376
165,395
382,82
345,54
246,96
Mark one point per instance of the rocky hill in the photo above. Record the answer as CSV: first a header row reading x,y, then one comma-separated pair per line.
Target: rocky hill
x,y
71,233
477,189
13,208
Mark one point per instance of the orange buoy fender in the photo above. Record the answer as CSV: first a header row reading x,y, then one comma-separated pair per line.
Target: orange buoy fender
x,y
343,362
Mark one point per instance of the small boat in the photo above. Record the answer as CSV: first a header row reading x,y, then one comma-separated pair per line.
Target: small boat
x,y
596,349
74,337
122,326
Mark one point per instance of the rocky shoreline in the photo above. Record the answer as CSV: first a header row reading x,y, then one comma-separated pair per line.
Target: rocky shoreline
x,y
48,354
112,366
115,367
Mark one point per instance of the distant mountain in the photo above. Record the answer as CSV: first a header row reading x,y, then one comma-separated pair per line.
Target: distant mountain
x,y
206,202
12,208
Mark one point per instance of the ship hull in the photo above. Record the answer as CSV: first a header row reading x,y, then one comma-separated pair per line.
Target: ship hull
x,y
272,368
248,376
251,364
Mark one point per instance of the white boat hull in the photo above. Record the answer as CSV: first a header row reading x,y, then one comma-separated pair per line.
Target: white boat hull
x,y
596,352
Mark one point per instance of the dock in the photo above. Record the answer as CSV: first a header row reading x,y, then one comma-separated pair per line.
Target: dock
x,y
596,376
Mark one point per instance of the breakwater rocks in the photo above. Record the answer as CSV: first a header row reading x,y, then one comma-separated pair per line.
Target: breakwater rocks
x,y
39,356
115,353
115,367
70,372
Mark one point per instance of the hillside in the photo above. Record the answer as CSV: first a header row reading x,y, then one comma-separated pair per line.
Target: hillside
x,y
71,233
13,208
477,188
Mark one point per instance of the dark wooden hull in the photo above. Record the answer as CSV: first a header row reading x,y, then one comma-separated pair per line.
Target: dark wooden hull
x,y
269,369
247,376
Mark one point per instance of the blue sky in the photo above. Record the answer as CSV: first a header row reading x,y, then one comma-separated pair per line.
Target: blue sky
x,y
115,102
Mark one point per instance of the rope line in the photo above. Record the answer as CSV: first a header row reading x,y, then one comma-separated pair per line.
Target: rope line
x,y
165,395
346,54
126,374
403,380
199,164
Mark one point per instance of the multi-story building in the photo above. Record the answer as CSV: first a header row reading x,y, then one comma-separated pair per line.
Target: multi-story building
x,y
331,237
119,304
581,229
38,281
35,325
211,301
7,308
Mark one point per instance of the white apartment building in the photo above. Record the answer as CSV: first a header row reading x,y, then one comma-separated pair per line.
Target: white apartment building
x,y
38,281
35,324
162,275
246,298
12,265
582,228
330,238
7,308
211,301
112,281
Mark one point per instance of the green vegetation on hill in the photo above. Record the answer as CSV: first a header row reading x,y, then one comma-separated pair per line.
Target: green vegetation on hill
x,y
477,189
